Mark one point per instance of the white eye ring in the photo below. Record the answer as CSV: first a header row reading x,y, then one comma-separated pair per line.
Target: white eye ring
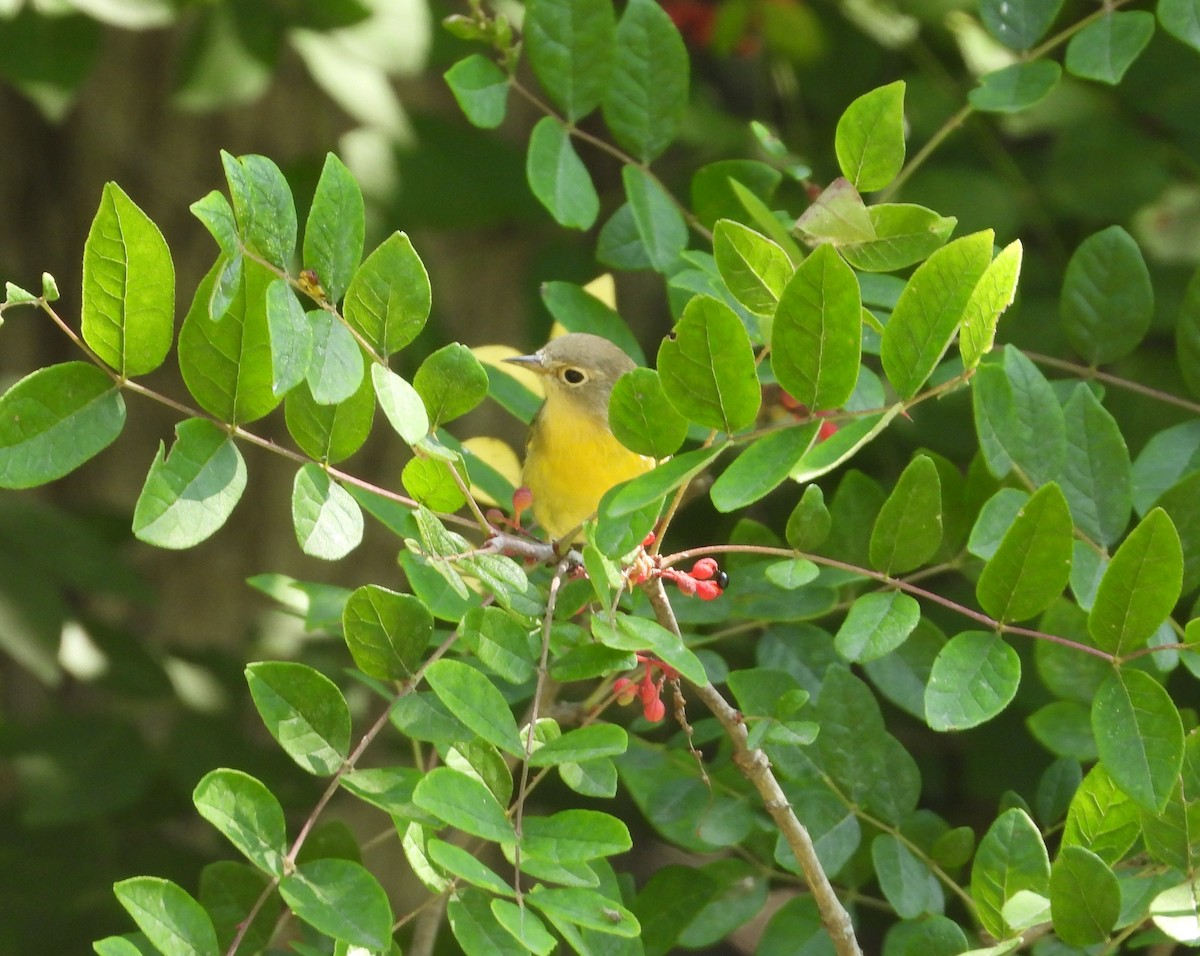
x,y
573,376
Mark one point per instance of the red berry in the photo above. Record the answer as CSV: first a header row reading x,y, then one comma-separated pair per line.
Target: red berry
x,y
704,569
625,690
654,710
707,590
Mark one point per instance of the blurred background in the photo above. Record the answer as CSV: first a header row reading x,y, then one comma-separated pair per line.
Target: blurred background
x,y
121,667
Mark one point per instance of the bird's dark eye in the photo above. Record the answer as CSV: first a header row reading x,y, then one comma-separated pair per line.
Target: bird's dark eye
x,y
574,376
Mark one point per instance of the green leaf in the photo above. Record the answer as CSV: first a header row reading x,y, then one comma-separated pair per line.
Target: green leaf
x,y
974,677
190,493
1102,818
1015,88
340,899
1139,587
227,364
228,271
809,523
474,700
216,214
707,367
458,862
464,803
574,836
451,382
171,919
401,404
500,643
1106,48
877,624
870,138
993,294
431,482
477,930
1096,479
245,812
651,487
630,633
388,300
1176,911
1085,897
570,44
900,235
713,197
584,743
327,519
855,749
659,221
330,433
1033,563
291,338
645,99
642,417
930,309
842,445
760,469
54,420
481,88
333,234
1019,419
1107,300
263,207
816,340
586,908
907,882
1181,19
578,310
386,632
1011,858
335,370
524,926
558,177
619,245
908,529
128,302
1064,727
1139,735
753,268
304,711
1018,24
1182,505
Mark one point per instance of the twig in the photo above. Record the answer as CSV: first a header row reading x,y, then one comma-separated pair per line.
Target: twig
x,y
757,769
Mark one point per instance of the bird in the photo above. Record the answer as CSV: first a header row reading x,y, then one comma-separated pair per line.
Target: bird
x,y
571,456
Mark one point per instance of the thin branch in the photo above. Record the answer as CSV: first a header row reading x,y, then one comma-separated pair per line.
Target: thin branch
x,y
1088,372
756,768
543,667
334,784
899,584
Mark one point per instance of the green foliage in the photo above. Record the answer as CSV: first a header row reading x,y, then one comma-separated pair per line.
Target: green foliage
x,y
977,567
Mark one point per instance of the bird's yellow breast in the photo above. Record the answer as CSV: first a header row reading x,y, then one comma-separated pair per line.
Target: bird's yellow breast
x,y
571,460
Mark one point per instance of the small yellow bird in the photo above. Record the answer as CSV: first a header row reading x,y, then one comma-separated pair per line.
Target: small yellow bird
x,y
572,457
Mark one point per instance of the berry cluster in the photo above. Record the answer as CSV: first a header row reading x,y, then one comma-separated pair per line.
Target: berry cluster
x,y
647,689
705,580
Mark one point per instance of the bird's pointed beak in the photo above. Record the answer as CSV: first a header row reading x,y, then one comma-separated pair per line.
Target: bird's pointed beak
x,y
534,362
